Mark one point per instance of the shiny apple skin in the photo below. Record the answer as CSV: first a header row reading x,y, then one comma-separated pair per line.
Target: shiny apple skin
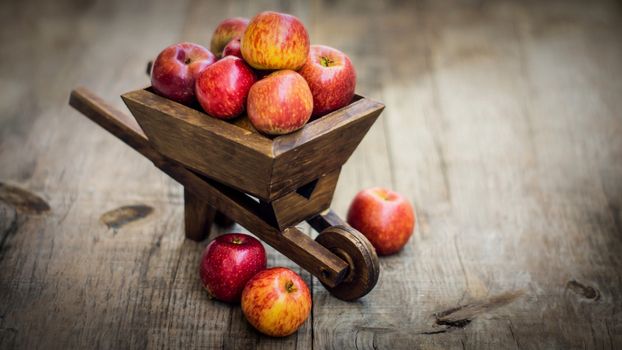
x,y
233,48
280,103
176,68
385,217
276,301
331,78
222,88
228,262
274,41
225,32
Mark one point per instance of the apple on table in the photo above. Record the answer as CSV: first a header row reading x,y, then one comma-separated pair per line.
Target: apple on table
x,y
228,262
176,68
385,217
276,301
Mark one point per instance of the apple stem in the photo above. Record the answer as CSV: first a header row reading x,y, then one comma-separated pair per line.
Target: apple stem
x,y
325,61
289,286
236,240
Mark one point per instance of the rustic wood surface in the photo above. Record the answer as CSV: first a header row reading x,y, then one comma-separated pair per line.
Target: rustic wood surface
x,y
502,126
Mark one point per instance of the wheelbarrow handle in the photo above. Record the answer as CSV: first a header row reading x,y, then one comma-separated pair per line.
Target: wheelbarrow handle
x,y
116,122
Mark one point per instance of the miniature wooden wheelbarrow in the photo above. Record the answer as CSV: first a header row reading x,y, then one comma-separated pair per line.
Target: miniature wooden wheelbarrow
x,y
267,185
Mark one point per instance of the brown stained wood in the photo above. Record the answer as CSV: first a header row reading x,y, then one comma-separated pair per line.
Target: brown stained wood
x,y
223,151
325,220
323,145
308,200
242,158
198,216
363,266
236,205
110,118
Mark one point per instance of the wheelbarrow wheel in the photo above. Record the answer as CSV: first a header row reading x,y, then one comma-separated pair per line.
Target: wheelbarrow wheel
x,y
351,246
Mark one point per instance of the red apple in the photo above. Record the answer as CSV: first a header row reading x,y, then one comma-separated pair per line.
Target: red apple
x,y
228,262
225,31
276,301
331,78
280,103
222,88
275,40
176,68
384,217
233,48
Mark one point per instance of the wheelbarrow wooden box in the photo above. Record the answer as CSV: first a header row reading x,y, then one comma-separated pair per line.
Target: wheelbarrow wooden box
x,y
266,184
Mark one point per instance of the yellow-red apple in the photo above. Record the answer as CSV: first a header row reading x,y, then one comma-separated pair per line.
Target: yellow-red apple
x,y
225,31
331,78
275,40
280,103
276,301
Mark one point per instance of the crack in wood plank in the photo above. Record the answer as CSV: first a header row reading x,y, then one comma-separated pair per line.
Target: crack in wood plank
x,y
462,315
585,291
119,217
6,233
23,200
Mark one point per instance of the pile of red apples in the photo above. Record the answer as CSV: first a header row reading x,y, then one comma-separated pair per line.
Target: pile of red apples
x,y
265,67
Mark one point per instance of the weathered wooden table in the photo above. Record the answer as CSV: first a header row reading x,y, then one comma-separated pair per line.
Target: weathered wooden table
x,y
503,126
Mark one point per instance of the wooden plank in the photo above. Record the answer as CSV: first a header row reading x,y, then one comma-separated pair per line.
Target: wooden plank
x,y
207,145
199,216
308,200
241,157
509,192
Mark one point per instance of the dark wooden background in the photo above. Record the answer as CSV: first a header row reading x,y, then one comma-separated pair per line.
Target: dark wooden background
x,y
503,126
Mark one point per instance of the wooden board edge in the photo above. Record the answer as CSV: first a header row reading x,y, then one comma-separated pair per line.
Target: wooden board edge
x,y
359,109
224,129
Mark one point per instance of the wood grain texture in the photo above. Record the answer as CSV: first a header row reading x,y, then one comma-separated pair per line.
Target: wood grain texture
x,y
239,156
502,126
213,147
304,155
363,266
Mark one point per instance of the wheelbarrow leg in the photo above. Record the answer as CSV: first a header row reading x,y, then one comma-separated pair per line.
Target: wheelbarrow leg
x,y
199,216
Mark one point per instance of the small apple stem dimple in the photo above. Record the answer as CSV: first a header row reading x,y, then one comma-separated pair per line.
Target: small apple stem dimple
x,y
289,286
236,240
325,61
187,61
